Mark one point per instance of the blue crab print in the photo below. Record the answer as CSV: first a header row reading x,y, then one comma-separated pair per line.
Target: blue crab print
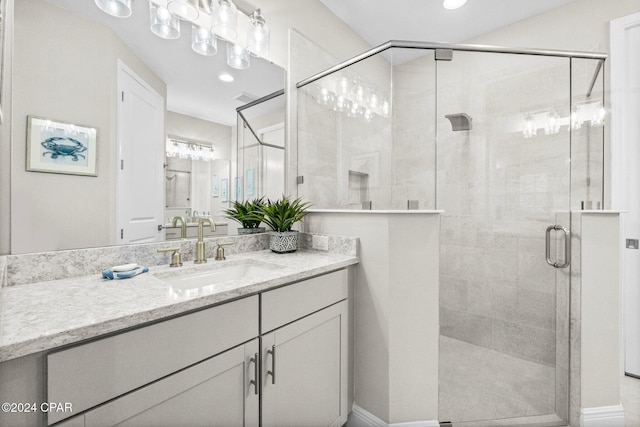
x,y
64,147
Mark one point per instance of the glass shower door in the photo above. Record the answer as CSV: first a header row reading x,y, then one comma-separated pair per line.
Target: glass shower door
x,y
503,178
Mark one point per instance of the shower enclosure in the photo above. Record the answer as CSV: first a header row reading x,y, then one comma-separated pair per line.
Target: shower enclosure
x,y
505,143
260,148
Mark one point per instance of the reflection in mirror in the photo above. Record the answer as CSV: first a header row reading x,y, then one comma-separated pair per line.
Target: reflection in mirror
x,y
65,69
261,148
197,160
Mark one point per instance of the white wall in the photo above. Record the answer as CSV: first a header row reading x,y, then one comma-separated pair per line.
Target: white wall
x,y
600,310
395,310
5,133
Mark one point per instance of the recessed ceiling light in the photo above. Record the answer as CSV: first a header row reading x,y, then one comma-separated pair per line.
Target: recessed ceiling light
x,y
453,4
226,77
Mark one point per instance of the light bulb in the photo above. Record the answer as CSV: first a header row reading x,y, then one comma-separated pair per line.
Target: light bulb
x,y
163,23
453,4
117,8
237,56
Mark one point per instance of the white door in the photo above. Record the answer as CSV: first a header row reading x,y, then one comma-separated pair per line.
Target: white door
x,y
140,159
272,168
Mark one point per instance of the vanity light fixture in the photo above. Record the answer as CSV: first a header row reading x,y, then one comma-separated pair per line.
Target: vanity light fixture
x,y
237,56
225,77
117,8
189,150
164,24
184,9
453,4
203,41
210,20
258,35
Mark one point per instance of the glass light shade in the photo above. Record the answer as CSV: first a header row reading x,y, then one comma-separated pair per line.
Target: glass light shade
x,y
163,23
225,19
237,56
552,125
325,96
453,4
117,8
172,149
529,127
258,35
184,9
203,41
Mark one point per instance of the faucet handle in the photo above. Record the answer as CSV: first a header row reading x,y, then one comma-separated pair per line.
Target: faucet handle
x,y
220,250
175,257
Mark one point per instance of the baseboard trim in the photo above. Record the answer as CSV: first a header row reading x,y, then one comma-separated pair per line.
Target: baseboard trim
x,y
362,418
602,416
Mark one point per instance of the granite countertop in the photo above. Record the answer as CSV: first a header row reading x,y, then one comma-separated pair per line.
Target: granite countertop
x,y
45,315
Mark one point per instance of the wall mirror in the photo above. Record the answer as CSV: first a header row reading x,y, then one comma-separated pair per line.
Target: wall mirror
x,y
65,69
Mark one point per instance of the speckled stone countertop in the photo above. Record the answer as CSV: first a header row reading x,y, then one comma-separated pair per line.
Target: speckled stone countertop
x,y
45,315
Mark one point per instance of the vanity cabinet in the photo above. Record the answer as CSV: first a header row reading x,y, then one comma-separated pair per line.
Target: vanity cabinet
x,y
287,346
90,374
304,353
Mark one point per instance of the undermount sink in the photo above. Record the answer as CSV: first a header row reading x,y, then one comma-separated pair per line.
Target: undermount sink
x,y
205,282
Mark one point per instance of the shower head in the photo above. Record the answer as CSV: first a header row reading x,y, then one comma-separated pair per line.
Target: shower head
x,y
459,121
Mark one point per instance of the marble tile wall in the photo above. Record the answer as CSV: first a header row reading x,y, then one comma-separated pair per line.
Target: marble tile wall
x,y
396,154
3,271
44,266
499,192
414,132
331,143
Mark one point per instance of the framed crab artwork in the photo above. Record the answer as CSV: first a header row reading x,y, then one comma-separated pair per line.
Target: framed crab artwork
x,y
58,147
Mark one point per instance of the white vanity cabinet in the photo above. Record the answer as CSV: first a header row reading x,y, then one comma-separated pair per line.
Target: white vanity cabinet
x,y
287,347
90,374
304,353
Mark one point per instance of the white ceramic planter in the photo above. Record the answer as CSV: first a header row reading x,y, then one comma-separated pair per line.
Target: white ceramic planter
x,y
283,242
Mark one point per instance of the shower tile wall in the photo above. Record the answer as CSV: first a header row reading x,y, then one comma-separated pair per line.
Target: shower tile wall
x,y
414,131
499,191
331,144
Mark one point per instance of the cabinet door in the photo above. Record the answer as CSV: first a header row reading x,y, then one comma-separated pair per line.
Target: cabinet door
x,y
304,371
216,392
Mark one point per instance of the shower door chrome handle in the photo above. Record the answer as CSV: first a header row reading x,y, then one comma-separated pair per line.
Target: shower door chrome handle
x,y
567,246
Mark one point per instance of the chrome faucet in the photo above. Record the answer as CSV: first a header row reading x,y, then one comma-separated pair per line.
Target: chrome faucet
x,y
183,227
200,252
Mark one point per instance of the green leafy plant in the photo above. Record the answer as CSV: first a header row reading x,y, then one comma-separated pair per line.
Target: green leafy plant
x,y
248,213
280,215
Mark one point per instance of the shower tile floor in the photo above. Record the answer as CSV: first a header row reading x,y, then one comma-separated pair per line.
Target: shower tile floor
x,y
478,383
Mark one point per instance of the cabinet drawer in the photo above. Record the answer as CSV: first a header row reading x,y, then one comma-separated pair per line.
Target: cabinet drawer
x,y
92,373
286,304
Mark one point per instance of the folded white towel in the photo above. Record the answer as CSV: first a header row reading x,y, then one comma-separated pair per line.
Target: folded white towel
x,y
111,274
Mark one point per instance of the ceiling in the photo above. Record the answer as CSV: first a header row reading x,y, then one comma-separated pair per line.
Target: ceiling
x,y
192,84
378,21
193,87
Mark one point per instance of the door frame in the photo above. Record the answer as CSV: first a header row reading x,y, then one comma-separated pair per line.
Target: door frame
x,y
621,151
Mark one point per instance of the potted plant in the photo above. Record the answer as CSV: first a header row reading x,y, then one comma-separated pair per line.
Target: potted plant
x,y
280,216
249,214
